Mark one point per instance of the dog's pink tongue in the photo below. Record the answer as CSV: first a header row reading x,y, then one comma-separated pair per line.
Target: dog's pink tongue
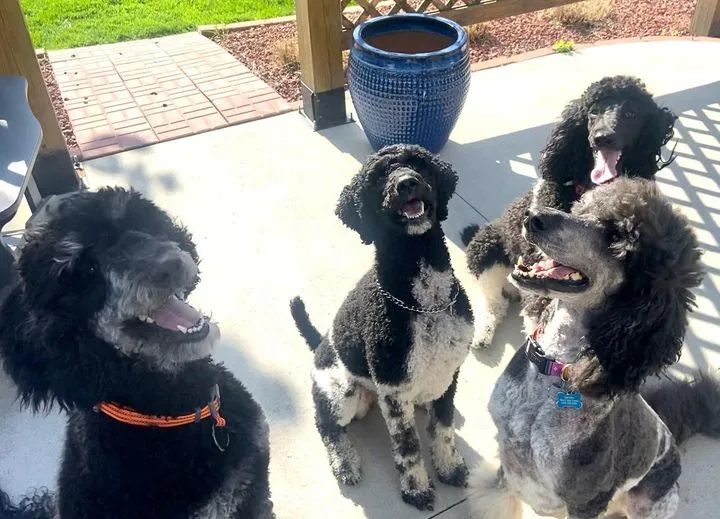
x,y
413,208
175,313
550,268
605,166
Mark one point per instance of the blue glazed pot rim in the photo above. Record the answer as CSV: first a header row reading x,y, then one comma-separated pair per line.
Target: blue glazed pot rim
x,y
429,21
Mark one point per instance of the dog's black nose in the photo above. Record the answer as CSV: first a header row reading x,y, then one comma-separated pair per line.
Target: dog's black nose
x,y
407,184
534,223
605,140
170,272
175,271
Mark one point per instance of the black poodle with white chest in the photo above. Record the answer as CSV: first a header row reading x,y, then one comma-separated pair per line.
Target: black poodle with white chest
x,y
614,129
402,333
98,324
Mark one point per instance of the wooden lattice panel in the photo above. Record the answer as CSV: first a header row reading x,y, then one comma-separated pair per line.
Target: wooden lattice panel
x,y
465,12
364,9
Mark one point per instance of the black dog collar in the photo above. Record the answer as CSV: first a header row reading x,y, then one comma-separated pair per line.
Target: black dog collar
x,y
544,364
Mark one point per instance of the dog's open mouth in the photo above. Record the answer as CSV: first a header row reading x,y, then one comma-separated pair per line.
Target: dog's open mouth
x,y
549,274
413,209
177,317
606,161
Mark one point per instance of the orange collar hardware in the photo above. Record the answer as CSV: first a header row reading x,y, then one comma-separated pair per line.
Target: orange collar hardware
x,y
132,417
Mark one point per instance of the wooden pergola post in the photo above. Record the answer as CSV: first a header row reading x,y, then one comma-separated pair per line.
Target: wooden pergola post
x,y
706,19
320,53
54,172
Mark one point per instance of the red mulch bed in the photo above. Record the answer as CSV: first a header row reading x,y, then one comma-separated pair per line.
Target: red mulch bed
x,y
256,48
57,101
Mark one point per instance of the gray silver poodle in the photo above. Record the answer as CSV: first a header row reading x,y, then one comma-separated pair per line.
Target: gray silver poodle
x,y
575,431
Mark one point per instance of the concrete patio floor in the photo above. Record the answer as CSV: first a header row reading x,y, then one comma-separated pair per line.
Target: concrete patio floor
x,y
259,199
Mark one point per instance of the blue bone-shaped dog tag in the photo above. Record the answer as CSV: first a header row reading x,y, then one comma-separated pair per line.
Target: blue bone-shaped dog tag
x,y
569,400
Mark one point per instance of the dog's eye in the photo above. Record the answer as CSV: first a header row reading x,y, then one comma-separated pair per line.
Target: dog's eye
x,y
594,111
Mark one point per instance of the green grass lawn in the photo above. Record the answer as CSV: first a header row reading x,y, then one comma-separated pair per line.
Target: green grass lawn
x,y
56,24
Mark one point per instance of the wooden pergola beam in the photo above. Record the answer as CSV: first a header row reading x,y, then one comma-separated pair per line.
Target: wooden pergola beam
x,y
54,172
706,19
322,79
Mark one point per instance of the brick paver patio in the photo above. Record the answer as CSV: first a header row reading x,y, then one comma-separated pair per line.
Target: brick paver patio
x,y
128,95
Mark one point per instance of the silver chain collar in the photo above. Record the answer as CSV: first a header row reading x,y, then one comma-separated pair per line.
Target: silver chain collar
x,y
431,310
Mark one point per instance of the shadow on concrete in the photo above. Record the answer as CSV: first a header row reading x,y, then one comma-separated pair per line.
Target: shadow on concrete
x,y
138,176
692,182
373,443
270,391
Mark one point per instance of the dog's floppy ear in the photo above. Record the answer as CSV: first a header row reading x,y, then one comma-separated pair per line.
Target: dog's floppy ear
x,y
656,132
51,271
446,179
567,147
47,261
639,330
349,210
350,207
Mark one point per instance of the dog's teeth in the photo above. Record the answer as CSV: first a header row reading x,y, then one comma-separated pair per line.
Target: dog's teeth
x,y
520,261
146,319
576,276
182,328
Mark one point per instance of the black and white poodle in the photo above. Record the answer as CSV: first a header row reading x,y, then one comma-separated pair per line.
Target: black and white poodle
x,y
402,333
614,129
98,324
576,436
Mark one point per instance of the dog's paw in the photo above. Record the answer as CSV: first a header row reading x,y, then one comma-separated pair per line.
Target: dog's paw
x,y
479,344
483,337
457,477
345,462
449,464
420,499
348,473
417,489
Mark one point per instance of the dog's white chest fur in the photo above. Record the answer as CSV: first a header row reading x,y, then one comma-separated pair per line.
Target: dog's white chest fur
x,y
441,341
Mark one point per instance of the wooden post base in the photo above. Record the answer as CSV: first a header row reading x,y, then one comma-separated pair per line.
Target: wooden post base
x,y
326,109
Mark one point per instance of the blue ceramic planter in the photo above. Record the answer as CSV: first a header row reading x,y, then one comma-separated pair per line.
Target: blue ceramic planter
x,y
408,76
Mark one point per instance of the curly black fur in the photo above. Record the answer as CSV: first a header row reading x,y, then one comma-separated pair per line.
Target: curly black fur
x,y
686,407
567,161
639,330
302,320
50,347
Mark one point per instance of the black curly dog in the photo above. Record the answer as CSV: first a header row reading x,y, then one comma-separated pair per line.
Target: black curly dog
x,y
402,333
614,129
98,321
